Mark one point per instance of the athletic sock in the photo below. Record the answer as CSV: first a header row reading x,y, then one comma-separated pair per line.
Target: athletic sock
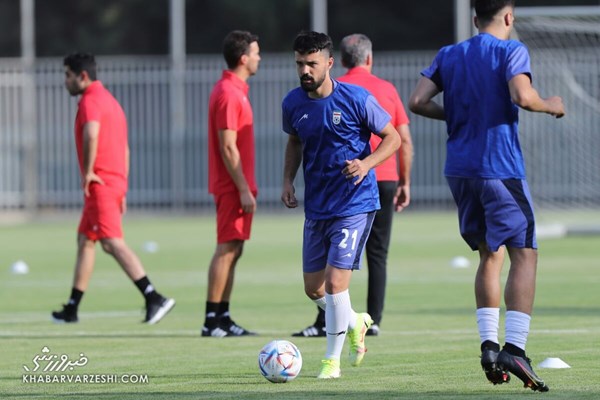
x,y
337,315
489,345
148,291
210,319
514,350
352,319
487,323
75,298
517,328
321,303
223,312
320,321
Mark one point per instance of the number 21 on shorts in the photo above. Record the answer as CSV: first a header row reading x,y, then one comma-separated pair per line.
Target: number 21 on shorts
x,y
344,243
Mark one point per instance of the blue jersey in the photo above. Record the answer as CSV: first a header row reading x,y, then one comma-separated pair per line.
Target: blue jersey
x,y
481,118
332,130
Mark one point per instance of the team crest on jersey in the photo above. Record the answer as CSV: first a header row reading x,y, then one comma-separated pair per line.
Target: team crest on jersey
x,y
337,117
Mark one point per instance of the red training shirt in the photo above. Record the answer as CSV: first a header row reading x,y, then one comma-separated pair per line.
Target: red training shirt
x,y
98,104
388,98
229,108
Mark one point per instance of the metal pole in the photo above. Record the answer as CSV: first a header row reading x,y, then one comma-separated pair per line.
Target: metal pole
x,y
177,100
29,143
462,20
318,17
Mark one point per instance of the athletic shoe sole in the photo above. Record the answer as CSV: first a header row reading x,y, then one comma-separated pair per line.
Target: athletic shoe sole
x,y
493,373
521,368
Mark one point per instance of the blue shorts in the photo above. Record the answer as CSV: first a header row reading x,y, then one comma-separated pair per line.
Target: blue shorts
x,y
338,242
494,211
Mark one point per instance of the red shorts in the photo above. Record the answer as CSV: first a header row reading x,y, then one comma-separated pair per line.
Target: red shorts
x,y
232,222
102,213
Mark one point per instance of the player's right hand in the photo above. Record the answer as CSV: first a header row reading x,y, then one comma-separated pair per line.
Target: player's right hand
x,y
288,196
557,109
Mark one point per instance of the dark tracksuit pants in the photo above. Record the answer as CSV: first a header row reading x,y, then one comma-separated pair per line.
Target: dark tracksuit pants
x,y
377,249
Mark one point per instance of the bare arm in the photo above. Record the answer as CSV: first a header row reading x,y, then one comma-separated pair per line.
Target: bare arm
x,y
124,201
402,198
91,133
421,100
526,97
127,162
390,143
231,158
293,158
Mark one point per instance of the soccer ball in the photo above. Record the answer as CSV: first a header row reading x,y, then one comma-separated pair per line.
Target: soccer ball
x,y
280,361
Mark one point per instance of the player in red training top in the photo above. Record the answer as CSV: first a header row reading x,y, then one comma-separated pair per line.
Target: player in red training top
x,y
103,153
231,176
393,176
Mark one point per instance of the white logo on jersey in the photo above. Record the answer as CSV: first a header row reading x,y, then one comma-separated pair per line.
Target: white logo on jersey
x,y
305,116
337,117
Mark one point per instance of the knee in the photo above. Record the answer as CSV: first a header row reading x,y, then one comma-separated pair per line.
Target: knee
x,y
108,246
313,293
84,243
239,251
232,250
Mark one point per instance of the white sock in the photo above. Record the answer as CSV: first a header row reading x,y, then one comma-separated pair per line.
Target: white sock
x,y
337,315
487,322
352,320
517,328
320,303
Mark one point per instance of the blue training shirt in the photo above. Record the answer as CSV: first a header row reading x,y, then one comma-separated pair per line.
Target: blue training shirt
x,y
332,130
481,118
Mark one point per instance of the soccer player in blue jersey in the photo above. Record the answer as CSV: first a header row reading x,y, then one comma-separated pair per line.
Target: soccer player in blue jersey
x,y
485,80
329,125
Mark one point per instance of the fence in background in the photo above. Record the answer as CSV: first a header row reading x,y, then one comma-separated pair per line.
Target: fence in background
x,y
38,167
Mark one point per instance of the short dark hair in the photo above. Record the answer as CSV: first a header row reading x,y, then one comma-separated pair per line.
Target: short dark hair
x,y
235,45
308,42
355,50
78,62
487,9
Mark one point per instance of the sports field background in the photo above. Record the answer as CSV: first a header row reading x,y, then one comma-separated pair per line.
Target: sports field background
x,y
428,348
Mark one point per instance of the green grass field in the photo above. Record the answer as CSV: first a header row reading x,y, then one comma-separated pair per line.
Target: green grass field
x,y
428,349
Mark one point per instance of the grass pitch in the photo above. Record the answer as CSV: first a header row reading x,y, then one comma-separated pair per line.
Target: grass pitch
x,y
428,349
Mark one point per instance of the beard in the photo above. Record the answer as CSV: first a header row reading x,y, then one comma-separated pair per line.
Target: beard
x,y
310,84
74,90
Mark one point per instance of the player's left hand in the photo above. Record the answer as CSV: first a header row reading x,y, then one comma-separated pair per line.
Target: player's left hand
x,y
355,169
402,197
90,178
